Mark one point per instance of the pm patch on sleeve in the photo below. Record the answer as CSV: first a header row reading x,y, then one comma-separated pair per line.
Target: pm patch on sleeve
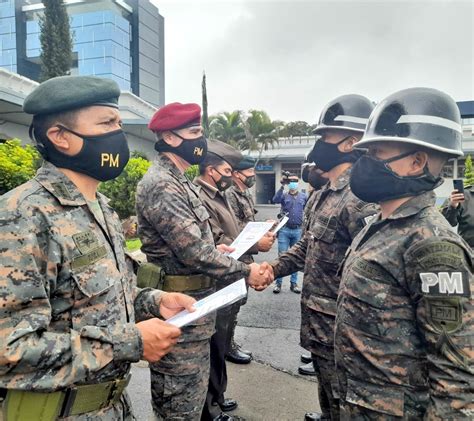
x,y
445,284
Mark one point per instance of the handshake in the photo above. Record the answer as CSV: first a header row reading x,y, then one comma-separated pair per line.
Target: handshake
x,y
260,276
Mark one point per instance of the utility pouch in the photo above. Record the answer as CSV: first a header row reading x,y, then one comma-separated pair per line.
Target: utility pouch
x,y
150,275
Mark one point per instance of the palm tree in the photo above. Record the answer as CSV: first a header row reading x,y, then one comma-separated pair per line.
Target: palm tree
x,y
227,127
260,132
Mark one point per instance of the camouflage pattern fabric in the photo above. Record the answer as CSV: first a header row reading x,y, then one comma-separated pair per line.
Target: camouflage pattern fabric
x,y
335,219
243,206
174,228
405,319
67,315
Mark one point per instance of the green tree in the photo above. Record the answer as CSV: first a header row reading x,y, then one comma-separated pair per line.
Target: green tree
x,y
296,128
56,40
469,172
227,127
17,164
121,191
261,132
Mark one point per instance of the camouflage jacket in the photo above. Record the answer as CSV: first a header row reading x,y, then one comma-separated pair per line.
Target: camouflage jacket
x,y
309,209
174,228
242,204
337,217
405,317
67,315
244,210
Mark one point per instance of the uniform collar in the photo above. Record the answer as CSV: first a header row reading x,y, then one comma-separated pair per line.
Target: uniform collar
x,y
341,181
211,191
163,161
60,186
414,205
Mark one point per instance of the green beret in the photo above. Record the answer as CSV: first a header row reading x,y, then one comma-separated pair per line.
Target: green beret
x,y
65,93
229,154
246,163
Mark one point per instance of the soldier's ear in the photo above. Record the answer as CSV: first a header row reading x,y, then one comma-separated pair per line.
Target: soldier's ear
x,y
348,145
59,137
418,161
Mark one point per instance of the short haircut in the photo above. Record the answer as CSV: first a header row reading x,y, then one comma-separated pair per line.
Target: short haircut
x,y
211,160
42,123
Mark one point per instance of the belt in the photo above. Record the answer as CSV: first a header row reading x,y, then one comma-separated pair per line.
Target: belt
x,y
23,405
292,226
183,283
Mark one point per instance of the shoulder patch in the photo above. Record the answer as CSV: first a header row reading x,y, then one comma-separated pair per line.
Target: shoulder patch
x,y
438,254
443,284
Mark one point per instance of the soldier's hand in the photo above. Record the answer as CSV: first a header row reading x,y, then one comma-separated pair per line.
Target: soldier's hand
x,y
158,338
266,242
259,279
456,198
172,303
267,269
225,249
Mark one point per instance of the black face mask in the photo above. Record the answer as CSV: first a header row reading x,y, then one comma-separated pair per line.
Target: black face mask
x,y
249,181
224,182
373,181
192,151
102,157
326,156
316,180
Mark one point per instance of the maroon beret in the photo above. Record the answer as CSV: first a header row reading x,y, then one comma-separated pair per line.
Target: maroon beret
x,y
175,116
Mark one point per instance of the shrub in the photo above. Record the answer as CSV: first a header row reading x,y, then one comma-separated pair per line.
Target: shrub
x,y
17,164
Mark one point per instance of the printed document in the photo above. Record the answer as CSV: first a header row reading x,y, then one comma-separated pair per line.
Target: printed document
x,y
213,302
252,233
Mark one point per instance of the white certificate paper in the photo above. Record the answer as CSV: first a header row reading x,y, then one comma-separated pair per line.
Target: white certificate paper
x,y
282,223
213,302
252,233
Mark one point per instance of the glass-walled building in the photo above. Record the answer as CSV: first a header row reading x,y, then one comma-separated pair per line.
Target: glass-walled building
x,y
8,53
116,39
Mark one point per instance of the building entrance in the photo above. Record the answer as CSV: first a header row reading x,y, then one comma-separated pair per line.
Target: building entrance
x,y
265,188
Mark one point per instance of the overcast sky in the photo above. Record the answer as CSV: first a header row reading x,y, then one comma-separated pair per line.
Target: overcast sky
x,y
289,58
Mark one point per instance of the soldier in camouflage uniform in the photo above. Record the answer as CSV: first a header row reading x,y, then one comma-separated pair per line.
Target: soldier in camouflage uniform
x,y
337,217
67,319
405,317
173,226
241,201
314,177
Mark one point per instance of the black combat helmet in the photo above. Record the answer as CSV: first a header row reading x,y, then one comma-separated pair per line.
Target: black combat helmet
x,y
418,116
348,112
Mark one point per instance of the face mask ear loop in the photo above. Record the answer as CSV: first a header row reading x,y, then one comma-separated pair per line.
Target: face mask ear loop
x,y
343,140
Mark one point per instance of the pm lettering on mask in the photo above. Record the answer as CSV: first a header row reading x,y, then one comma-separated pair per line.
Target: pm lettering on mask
x,y
445,283
198,151
109,159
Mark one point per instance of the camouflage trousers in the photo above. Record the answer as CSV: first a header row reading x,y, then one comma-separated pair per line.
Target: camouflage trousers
x,y
179,380
327,387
